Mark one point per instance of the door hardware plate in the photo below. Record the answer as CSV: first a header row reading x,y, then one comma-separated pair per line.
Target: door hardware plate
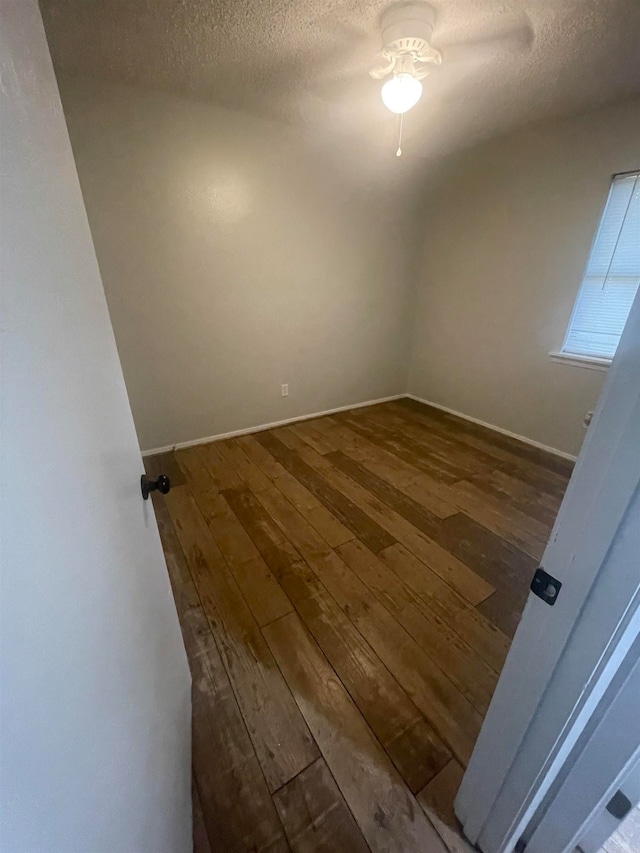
x,y
545,586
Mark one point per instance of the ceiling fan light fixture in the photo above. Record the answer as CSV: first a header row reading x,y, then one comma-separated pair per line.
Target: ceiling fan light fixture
x,y
401,92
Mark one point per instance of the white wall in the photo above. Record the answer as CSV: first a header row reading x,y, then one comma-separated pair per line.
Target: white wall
x,y
235,258
505,237
95,746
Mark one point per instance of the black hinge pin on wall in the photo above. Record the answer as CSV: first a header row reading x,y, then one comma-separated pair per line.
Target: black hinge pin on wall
x,y
545,586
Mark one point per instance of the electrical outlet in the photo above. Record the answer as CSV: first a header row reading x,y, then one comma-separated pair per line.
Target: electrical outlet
x,y
285,390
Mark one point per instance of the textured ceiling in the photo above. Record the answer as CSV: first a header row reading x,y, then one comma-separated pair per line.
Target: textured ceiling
x,y
305,62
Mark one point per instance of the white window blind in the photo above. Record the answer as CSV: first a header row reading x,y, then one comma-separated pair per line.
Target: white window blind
x,y
612,276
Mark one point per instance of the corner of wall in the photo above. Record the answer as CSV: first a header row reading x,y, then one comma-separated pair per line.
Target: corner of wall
x,y
417,215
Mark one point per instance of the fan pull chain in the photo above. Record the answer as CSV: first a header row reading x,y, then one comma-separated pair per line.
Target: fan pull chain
x,y
400,122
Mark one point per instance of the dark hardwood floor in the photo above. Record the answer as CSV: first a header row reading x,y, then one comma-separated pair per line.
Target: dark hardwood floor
x,y
348,588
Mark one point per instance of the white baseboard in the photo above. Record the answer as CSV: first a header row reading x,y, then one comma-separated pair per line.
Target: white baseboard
x,y
515,435
261,427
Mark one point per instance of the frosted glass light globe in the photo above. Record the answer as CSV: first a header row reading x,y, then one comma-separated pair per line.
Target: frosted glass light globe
x,y
401,93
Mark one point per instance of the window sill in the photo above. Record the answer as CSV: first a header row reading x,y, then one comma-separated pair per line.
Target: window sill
x,y
590,362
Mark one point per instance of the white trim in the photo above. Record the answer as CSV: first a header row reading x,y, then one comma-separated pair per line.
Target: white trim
x,y
515,435
589,361
262,427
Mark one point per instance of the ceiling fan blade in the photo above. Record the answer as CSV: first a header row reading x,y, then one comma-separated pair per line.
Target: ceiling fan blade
x,y
381,71
513,37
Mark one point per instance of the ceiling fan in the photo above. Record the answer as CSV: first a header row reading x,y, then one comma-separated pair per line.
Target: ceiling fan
x,y
407,52
408,56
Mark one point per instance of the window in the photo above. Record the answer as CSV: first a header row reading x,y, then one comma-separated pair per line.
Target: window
x,y
610,280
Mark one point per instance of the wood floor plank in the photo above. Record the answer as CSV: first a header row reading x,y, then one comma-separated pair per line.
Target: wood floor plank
x,y
462,664
447,437
414,513
493,458
410,741
433,693
462,435
246,507
529,453
244,466
503,519
260,589
298,530
504,608
500,563
432,434
200,837
293,574
512,455
460,576
350,515
321,424
236,809
480,633
262,592
544,480
440,793
425,489
234,543
529,500
315,512
378,798
426,446
418,516
190,460
315,816
460,462
319,442
224,475
451,714
430,428
281,740
261,457
422,493
437,801
395,445
337,433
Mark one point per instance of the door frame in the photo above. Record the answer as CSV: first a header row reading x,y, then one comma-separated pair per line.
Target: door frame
x,y
608,760
600,828
561,662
